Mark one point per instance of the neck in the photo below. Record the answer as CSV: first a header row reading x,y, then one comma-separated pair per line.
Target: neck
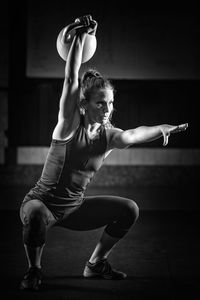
x,y
90,125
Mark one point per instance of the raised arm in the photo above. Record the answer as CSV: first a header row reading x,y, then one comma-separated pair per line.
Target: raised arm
x,y
122,139
69,115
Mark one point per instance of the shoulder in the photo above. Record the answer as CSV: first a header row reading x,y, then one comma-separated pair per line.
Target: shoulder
x,y
66,128
113,136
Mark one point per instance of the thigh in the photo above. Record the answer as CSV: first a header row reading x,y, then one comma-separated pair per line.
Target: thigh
x,y
95,212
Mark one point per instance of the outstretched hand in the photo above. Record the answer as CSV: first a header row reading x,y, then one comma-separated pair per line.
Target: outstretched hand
x,y
168,129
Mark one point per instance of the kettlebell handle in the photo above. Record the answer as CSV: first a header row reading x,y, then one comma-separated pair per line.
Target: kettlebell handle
x,y
66,36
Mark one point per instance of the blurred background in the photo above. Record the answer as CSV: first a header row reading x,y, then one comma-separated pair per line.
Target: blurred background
x,y
152,57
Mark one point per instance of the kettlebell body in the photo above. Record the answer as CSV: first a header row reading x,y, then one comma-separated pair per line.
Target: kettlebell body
x,y
64,41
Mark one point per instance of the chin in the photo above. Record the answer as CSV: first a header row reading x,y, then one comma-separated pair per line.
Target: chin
x,y
104,122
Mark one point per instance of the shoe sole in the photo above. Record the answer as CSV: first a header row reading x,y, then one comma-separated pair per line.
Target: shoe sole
x,y
87,274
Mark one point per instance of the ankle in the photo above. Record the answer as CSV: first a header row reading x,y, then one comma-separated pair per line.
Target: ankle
x,y
34,266
96,260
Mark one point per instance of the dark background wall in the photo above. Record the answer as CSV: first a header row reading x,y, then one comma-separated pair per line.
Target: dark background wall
x,y
151,55
132,43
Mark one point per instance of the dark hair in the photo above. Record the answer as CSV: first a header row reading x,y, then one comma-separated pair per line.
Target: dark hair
x,y
91,81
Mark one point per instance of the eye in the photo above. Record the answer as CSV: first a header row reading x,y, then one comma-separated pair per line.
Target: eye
x,y
99,105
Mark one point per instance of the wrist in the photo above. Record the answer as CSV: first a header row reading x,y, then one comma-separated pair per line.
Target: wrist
x,y
93,27
93,32
160,130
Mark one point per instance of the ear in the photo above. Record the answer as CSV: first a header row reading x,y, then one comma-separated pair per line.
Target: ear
x,y
83,104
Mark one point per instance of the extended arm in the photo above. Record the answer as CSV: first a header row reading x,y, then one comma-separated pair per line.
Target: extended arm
x,y
69,97
69,115
70,93
143,134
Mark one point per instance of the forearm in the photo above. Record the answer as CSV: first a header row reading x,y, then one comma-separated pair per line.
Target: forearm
x,y
70,91
142,134
74,58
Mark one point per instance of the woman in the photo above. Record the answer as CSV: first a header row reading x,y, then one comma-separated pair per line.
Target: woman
x,y
81,140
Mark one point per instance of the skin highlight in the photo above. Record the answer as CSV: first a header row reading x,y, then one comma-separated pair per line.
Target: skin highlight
x,y
98,109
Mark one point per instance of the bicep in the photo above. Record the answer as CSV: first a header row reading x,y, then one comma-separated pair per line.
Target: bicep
x,y
117,139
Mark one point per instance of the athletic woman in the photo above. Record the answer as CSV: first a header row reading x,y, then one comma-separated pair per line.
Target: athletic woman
x,y
81,140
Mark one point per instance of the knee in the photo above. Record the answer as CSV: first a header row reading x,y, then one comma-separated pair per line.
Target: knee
x,y
132,210
33,212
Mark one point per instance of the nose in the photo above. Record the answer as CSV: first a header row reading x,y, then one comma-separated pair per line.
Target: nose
x,y
106,108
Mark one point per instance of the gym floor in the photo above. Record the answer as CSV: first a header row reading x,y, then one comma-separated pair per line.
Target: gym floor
x,y
160,256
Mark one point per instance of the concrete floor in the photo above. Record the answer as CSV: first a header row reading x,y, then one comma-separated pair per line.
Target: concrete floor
x,y
160,255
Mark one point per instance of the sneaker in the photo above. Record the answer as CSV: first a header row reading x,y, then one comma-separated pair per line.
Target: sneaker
x,y
32,279
102,269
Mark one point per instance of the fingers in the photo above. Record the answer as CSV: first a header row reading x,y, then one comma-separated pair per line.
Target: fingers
x,y
87,23
84,20
93,27
94,24
183,127
179,128
166,138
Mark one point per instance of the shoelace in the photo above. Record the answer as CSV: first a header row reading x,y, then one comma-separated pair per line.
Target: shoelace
x,y
106,268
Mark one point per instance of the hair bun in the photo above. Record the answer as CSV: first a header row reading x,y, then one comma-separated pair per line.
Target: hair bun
x,y
91,73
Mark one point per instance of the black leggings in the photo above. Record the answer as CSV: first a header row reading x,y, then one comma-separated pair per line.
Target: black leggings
x,y
116,213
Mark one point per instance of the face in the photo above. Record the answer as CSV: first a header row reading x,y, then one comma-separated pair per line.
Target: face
x,y
100,106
